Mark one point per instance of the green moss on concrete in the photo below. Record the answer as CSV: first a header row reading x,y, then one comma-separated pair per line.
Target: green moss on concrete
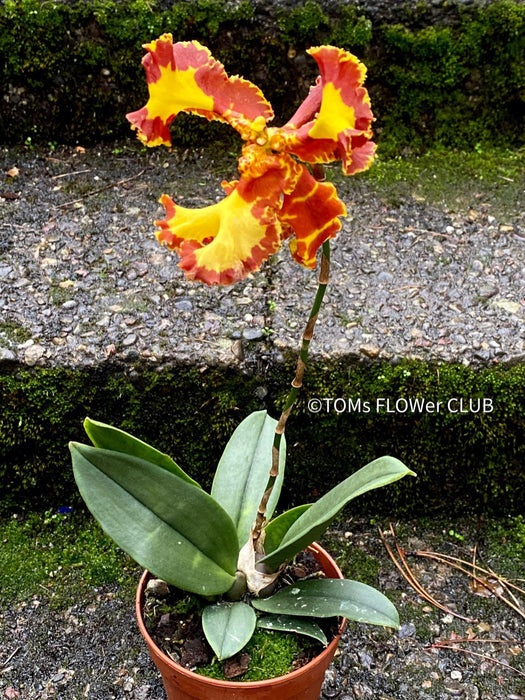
x,y
62,555
14,332
459,181
467,461
453,78
506,545
356,564
182,411
72,71
303,22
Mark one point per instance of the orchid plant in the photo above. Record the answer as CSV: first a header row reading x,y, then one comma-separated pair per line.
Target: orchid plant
x,y
226,545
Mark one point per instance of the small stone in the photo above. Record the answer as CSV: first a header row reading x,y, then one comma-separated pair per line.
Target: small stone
x,y
366,660
487,291
252,333
158,588
183,305
471,692
6,354
371,351
142,268
130,339
237,350
362,691
456,675
454,688
477,266
513,307
33,354
261,392
407,629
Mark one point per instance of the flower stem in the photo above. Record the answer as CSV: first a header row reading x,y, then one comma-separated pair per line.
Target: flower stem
x,y
297,383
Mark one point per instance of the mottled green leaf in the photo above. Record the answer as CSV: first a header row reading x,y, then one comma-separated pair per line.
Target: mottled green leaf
x,y
312,524
288,623
277,528
109,438
168,525
244,469
228,627
331,598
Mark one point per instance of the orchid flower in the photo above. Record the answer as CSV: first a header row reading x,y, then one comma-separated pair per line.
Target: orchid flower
x,y
276,197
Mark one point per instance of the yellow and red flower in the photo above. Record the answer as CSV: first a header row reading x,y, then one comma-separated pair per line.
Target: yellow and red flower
x,y
275,198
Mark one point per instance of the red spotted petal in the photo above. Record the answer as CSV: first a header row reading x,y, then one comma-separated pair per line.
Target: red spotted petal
x,y
184,77
312,210
334,121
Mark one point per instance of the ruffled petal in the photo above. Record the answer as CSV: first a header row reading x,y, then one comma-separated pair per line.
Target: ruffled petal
x,y
184,77
312,211
222,243
308,107
335,118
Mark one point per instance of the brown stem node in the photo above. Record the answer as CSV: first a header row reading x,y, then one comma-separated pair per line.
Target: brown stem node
x,y
309,330
324,274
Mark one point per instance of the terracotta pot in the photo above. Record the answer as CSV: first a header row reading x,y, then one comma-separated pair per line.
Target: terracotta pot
x,y
303,684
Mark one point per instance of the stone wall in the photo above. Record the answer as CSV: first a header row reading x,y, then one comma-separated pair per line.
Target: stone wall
x,y
438,72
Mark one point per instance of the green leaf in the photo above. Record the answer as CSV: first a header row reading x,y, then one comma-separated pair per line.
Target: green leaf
x,y
168,525
313,522
287,623
109,438
276,529
228,627
332,597
244,469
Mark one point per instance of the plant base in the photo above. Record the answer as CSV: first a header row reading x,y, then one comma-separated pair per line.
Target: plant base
x,y
303,684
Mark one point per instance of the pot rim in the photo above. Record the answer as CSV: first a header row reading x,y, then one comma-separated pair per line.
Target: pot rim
x,y
330,649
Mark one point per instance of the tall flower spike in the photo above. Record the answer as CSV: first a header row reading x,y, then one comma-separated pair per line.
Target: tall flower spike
x,y
184,77
276,198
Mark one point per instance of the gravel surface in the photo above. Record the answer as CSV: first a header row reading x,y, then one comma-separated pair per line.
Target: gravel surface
x,y
93,649
82,277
